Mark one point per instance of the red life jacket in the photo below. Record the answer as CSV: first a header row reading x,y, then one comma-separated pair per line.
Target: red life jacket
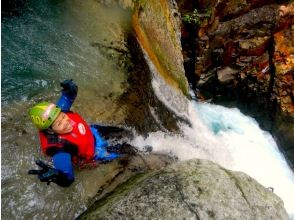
x,y
80,140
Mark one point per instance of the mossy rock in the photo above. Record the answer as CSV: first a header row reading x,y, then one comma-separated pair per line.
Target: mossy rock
x,y
195,189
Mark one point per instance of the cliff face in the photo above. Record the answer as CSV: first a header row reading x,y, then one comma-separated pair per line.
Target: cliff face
x,y
283,60
243,55
156,25
157,79
195,189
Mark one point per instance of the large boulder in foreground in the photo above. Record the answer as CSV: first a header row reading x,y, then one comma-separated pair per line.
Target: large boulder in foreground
x,y
195,189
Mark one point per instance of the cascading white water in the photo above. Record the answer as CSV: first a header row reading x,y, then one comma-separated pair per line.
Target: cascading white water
x,y
233,140
229,138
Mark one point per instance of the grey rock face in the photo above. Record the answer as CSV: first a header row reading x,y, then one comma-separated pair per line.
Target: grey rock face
x,y
195,189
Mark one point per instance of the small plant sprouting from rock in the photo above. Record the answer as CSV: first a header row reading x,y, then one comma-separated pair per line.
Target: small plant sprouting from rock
x,y
195,18
192,18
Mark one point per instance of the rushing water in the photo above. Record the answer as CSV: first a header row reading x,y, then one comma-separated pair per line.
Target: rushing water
x,y
233,140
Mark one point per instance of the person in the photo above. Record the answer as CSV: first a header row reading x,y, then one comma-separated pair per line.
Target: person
x,y
67,138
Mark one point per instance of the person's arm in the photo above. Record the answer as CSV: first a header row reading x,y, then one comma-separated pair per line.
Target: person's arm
x,y
62,162
62,174
68,95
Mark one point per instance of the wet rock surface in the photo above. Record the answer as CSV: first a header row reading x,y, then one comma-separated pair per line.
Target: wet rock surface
x,y
157,64
156,26
195,189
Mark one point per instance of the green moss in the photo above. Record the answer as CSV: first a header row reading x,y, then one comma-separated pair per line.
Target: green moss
x,y
183,85
196,18
192,18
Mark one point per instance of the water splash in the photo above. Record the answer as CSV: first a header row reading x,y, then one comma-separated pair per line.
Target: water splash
x,y
233,140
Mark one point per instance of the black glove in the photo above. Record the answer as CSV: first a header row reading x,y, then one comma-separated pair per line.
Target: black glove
x,y
69,87
49,174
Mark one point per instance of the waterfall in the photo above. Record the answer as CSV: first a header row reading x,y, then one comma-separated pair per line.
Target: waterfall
x,y
231,139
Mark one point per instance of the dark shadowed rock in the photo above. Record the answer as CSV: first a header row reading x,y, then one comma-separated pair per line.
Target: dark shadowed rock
x,y
226,74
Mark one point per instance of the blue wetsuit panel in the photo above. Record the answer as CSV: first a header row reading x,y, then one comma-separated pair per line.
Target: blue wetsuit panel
x,y
100,147
65,101
62,162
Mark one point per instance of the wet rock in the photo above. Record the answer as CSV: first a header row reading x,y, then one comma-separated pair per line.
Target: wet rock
x,y
157,29
229,9
229,54
157,79
260,3
122,3
241,26
248,34
255,46
204,4
186,6
256,70
284,50
195,189
283,60
226,74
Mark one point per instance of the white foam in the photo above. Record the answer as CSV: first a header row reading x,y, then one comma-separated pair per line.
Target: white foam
x,y
172,98
233,140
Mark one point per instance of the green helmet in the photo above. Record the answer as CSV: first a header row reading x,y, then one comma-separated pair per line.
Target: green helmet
x,y
43,114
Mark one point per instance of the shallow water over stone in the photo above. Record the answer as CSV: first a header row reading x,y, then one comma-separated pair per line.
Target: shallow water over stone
x,y
47,42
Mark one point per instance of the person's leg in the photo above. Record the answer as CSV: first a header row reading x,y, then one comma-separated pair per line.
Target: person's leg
x,y
123,148
101,152
112,132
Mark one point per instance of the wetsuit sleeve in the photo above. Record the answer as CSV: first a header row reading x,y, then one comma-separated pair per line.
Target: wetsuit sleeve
x,y
65,101
68,95
62,162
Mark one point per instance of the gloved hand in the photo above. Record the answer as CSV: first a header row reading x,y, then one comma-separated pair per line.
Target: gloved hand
x,y
49,174
69,87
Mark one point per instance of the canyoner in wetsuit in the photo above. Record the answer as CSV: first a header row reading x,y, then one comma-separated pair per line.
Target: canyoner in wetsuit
x,y
67,138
